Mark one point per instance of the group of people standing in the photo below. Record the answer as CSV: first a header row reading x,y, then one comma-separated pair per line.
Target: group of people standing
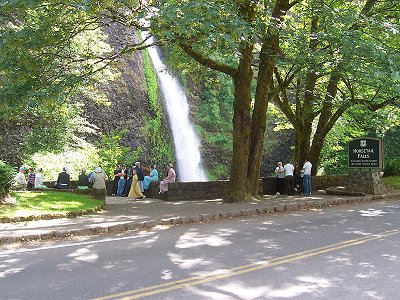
x,y
292,178
128,182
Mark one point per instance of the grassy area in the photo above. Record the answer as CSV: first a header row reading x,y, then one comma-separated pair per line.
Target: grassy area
x,y
41,203
392,182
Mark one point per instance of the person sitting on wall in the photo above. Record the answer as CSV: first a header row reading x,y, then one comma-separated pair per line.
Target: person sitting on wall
x,y
171,177
149,179
83,180
31,179
99,180
146,170
39,179
63,180
20,180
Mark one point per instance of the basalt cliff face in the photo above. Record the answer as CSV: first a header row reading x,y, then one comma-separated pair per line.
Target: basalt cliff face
x,y
127,108
126,94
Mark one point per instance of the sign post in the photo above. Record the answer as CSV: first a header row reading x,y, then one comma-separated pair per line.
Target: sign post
x,y
365,157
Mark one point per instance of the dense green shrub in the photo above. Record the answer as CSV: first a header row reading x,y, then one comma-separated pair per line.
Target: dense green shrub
x,y
112,152
151,84
392,167
7,174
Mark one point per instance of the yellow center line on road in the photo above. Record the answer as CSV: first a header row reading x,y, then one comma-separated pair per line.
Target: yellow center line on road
x,y
187,282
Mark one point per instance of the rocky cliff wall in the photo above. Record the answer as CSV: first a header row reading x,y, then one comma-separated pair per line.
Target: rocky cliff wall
x,y
128,106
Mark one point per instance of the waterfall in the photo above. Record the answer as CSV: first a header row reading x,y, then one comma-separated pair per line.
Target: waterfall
x,y
186,140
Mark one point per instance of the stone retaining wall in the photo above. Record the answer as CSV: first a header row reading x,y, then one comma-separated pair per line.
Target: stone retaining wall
x,y
97,194
180,191
317,183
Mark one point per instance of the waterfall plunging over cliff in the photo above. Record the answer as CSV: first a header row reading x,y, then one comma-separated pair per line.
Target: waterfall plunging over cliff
x,y
186,140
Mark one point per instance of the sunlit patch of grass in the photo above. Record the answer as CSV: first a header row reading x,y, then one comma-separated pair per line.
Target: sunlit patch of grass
x,y
392,182
48,202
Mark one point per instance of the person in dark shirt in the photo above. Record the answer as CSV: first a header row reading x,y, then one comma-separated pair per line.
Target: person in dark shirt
x,y
116,179
140,175
31,179
63,180
128,181
83,180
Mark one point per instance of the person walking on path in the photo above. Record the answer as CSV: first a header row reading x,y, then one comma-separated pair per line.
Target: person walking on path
x,y
171,177
289,178
280,175
135,191
307,177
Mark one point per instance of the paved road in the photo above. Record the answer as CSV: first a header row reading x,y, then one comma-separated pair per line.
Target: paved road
x,y
344,252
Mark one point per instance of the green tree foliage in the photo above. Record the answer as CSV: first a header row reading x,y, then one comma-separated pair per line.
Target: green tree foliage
x,y
356,123
336,55
56,132
43,54
50,48
52,54
76,158
392,151
7,174
111,152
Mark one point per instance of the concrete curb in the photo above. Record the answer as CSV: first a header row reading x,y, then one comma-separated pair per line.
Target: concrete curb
x,y
265,209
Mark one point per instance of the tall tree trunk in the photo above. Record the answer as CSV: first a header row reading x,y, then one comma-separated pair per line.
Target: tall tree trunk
x,y
259,120
302,142
238,180
324,121
269,51
315,152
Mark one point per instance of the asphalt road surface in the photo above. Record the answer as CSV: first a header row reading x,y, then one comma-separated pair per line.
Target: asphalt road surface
x,y
343,252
